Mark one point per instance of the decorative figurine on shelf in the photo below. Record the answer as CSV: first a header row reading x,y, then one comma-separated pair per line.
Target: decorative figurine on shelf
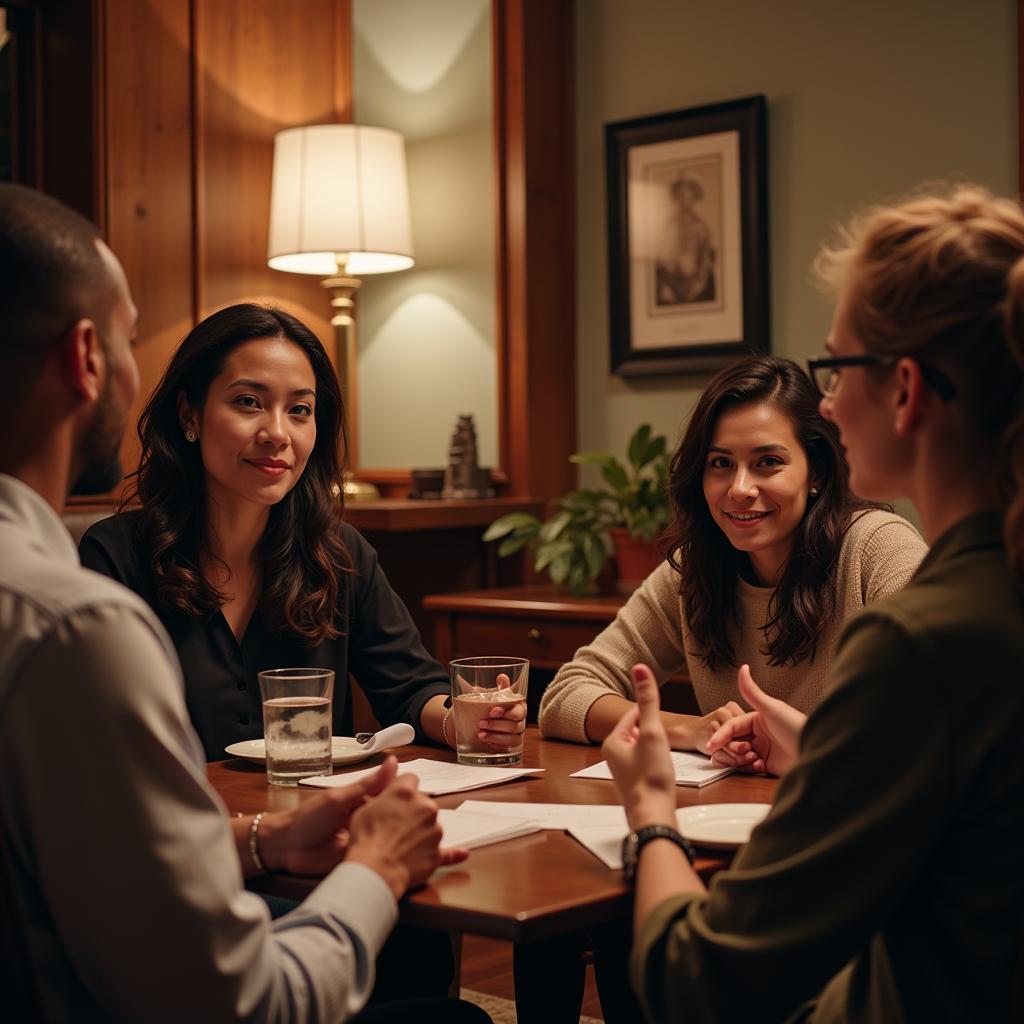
x,y
464,478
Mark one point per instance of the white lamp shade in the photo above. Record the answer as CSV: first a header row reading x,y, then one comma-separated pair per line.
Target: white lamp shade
x,y
339,189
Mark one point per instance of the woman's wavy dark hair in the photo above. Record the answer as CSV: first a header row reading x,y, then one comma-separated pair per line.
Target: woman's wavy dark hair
x,y
709,566
302,554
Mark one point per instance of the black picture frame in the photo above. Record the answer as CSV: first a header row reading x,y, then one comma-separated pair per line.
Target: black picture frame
x,y
688,238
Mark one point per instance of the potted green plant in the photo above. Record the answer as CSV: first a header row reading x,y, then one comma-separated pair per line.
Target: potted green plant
x,y
588,525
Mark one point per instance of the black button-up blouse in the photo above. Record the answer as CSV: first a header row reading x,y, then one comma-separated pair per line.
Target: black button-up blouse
x,y
381,647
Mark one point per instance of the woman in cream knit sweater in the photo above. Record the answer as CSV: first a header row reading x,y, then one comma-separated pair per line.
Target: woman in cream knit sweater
x,y
769,553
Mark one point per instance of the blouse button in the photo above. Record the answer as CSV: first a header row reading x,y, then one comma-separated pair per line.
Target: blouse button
x,y
241,684
243,719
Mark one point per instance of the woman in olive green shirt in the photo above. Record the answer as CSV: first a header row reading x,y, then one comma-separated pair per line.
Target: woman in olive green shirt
x,y
885,884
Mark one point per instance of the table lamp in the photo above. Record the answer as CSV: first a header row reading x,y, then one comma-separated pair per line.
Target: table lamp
x,y
339,208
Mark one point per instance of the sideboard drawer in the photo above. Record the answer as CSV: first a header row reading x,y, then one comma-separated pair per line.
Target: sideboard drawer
x,y
548,644
541,623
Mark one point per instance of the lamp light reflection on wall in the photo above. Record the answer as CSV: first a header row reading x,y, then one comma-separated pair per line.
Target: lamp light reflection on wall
x,y
339,209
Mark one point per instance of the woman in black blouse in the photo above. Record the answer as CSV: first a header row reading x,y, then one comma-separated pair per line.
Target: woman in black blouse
x,y
240,545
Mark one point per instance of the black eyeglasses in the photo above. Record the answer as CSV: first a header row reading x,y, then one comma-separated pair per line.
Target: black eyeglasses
x,y
825,373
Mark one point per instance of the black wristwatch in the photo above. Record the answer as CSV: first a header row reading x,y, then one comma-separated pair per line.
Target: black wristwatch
x,y
634,843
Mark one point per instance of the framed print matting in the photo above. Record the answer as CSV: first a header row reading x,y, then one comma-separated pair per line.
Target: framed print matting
x,y
688,238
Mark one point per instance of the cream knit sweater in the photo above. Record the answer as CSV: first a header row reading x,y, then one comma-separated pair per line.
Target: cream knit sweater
x,y
880,553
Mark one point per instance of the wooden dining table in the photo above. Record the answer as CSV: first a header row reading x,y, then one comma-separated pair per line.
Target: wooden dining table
x,y
520,890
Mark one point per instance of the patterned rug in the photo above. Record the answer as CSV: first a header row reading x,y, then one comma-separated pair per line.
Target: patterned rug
x,y
503,1011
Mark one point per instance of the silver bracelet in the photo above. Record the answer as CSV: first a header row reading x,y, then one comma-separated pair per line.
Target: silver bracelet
x,y
444,727
254,843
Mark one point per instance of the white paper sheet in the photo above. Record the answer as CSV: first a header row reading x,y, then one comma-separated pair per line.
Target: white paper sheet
x,y
692,769
467,828
555,816
436,777
603,841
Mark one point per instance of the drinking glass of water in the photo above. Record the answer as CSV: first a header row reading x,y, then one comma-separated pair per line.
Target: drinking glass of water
x,y
297,723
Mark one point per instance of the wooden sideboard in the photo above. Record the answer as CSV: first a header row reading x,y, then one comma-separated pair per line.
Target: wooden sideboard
x,y
541,622
427,546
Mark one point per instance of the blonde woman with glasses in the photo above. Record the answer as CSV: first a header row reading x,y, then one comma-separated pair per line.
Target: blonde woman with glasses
x,y
885,884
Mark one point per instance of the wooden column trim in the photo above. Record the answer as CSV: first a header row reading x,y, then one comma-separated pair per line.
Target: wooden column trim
x,y
195,155
1020,96
343,62
99,106
499,113
538,233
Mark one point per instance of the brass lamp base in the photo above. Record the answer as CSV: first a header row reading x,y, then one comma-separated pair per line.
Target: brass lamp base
x,y
358,490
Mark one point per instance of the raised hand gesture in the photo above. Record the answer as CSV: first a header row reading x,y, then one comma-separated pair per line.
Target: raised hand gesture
x,y
767,738
638,753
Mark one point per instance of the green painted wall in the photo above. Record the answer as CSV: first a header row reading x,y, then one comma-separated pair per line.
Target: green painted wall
x,y
866,99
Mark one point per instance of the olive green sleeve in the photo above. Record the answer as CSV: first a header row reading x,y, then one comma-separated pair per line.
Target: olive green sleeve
x,y
851,823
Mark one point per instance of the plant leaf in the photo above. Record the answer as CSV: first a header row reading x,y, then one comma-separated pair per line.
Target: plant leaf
x,y
615,475
510,545
591,458
506,524
578,578
559,570
583,499
657,446
546,553
595,553
638,445
554,526
646,529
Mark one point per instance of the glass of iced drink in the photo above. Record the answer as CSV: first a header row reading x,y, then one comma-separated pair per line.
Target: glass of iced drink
x,y
479,685
297,723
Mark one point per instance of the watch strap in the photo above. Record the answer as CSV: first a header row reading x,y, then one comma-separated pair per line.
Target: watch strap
x,y
636,841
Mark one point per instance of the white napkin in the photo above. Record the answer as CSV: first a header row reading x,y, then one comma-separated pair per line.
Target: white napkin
x,y
399,735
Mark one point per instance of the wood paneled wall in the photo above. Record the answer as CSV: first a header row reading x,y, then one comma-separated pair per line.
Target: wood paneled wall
x,y
191,96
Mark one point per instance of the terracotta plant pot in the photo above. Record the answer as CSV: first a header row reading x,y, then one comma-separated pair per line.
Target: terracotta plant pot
x,y
635,559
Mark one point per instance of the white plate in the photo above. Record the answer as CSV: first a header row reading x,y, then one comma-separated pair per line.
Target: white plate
x,y
720,826
344,750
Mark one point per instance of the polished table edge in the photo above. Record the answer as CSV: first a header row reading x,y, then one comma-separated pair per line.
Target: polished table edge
x,y
529,600
243,788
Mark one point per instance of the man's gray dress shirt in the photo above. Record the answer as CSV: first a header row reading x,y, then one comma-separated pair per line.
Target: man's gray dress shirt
x,y
126,877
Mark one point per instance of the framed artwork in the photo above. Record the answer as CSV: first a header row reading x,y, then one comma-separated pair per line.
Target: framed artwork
x,y
688,238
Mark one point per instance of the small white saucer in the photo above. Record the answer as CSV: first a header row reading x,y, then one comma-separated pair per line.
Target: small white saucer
x,y
344,750
720,826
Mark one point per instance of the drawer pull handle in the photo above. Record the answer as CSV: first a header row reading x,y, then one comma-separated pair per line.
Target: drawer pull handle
x,y
534,634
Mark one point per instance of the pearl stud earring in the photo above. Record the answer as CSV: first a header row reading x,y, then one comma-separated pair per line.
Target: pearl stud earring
x,y
814,492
